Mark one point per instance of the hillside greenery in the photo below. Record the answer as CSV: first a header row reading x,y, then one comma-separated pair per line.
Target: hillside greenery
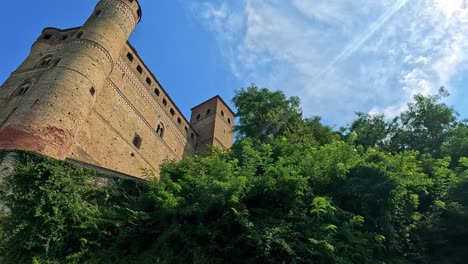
x,y
291,190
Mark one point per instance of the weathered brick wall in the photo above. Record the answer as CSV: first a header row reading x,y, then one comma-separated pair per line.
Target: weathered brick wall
x,y
95,101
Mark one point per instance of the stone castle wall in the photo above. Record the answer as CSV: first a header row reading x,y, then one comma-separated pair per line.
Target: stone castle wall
x,y
84,94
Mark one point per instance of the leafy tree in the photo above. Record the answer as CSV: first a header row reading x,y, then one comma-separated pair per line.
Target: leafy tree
x,y
263,113
425,126
370,130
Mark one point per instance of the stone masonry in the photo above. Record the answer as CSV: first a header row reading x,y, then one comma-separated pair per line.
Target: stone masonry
x,y
83,94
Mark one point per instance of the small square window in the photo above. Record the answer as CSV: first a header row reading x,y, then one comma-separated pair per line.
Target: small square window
x,y
172,111
179,120
139,69
148,81
156,91
130,56
164,102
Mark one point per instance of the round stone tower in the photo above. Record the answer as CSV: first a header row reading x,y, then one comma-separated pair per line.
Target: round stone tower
x,y
65,93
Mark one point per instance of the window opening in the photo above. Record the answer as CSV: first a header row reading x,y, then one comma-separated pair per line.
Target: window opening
x,y
65,37
23,89
179,120
35,102
130,56
46,61
92,91
156,91
172,111
137,141
192,136
164,102
222,113
160,130
47,36
79,34
148,81
139,69
98,13
208,111
229,121
198,116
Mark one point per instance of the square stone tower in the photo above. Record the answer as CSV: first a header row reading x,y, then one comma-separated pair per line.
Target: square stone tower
x,y
214,122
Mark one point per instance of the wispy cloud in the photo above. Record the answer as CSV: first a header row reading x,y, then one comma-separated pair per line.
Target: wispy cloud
x,y
342,56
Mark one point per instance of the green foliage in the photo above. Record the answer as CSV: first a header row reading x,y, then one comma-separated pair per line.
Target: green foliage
x,y
263,113
290,191
370,130
57,214
425,126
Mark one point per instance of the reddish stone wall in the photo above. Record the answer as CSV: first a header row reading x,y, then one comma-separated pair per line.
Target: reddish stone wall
x,y
92,99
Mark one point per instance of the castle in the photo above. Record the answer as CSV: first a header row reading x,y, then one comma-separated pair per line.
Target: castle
x,y
84,95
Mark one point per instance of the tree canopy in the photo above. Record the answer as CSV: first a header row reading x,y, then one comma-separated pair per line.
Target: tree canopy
x,y
291,190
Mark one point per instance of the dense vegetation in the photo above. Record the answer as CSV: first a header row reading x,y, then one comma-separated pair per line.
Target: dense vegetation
x,y
291,190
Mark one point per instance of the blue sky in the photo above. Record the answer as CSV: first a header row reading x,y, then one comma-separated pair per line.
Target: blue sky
x,y
338,56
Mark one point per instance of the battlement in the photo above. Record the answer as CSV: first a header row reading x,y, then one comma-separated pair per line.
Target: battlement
x,y
85,94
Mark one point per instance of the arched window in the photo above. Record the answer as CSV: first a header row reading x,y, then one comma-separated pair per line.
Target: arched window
x,y
160,130
45,61
23,89
208,111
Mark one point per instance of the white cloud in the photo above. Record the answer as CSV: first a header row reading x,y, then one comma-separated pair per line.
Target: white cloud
x,y
343,56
